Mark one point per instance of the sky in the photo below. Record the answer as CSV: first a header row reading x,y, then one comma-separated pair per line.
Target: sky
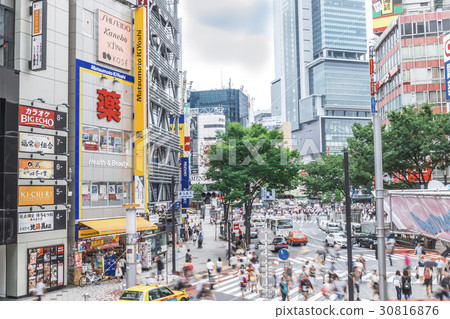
x,y
230,39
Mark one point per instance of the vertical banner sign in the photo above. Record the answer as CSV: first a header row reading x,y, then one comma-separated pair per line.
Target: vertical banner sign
x,y
447,65
140,111
185,180
39,36
181,134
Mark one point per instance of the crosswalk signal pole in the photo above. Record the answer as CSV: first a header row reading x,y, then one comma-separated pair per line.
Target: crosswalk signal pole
x,y
348,229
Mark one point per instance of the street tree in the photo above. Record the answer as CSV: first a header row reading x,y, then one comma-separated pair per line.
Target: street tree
x,y
198,189
246,159
324,175
415,143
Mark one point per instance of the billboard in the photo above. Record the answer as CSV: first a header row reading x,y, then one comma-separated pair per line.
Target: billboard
x,y
114,40
447,64
429,216
383,12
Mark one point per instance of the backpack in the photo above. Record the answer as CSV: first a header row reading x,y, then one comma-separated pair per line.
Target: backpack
x,y
406,283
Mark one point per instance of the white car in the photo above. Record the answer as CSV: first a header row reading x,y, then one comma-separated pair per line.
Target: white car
x,y
336,238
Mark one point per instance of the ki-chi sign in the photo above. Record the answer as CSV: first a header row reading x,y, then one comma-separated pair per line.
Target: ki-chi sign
x,y
39,36
114,40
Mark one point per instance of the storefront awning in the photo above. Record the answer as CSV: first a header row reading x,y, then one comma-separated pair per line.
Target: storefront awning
x,y
112,226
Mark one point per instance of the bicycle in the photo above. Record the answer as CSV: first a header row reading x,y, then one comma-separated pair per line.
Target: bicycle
x,y
90,276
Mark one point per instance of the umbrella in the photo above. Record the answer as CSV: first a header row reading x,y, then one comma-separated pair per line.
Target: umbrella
x,y
430,263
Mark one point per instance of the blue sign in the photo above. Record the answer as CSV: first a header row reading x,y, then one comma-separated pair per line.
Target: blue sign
x,y
185,179
372,105
177,205
447,79
283,254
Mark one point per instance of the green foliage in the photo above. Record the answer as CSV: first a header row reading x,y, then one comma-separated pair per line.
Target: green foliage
x,y
415,139
246,159
198,189
325,176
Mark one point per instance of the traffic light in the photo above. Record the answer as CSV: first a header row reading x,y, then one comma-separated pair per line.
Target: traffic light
x,y
214,195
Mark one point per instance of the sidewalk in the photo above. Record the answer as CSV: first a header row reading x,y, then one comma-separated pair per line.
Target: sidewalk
x,y
110,290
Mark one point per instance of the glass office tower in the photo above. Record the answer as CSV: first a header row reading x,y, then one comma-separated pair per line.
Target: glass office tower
x,y
324,71
234,102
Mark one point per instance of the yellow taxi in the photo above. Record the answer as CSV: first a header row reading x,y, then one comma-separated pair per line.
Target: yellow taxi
x,y
153,293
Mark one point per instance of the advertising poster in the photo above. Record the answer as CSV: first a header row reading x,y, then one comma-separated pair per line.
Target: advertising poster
x,y
46,264
114,40
29,142
384,12
34,169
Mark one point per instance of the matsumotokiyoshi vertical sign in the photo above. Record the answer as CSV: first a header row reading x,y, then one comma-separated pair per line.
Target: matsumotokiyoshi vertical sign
x,y
39,36
140,109
447,64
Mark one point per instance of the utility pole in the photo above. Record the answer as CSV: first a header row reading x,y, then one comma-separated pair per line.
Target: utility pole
x,y
172,190
131,245
348,228
229,221
379,191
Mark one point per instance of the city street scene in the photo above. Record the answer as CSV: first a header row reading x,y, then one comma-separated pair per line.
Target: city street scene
x,y
202,151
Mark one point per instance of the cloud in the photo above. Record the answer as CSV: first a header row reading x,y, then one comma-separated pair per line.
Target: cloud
x,y
230,37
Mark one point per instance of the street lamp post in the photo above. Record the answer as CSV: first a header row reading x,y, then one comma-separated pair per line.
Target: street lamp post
x,y
131,245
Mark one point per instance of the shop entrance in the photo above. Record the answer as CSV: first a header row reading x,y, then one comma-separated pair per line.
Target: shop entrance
x,y
3,271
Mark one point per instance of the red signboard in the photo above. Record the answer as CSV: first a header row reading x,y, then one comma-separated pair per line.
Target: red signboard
x,y
108,105
187,143
31,116
142,2
372,87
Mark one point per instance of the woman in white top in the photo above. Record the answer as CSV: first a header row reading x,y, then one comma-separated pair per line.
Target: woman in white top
x,y
118,271
398,284
219,268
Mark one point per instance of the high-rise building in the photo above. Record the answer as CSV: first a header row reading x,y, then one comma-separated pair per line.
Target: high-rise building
x,y
235,103
323,71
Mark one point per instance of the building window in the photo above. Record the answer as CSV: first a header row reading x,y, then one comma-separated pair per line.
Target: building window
x,y
115,194
7,21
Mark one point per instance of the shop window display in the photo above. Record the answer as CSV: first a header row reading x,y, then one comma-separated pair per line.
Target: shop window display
x,y
90,138
102,194
115,142
86,194
99,194
115,193
103,139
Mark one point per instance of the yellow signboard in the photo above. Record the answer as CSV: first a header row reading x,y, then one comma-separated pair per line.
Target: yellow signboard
x,y
36,195
140,109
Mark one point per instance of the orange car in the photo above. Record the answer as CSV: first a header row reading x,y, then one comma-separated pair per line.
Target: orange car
x,y
296,238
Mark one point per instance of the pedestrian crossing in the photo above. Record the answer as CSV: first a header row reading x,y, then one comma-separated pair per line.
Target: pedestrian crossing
x,y
230,283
